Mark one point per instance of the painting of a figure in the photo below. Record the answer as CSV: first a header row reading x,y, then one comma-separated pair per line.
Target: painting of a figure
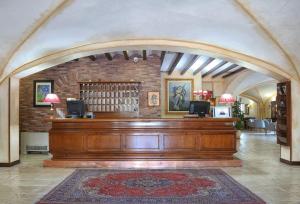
x,y
153,98
179,95
41,89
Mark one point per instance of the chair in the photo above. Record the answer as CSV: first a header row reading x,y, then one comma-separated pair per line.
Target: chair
x,y
271,127
264,124
267,124
260,124
250,123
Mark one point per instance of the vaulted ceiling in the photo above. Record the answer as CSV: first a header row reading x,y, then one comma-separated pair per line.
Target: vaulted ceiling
x,y
261,93
33,31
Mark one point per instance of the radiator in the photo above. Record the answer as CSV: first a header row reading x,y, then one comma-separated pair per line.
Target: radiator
x,y
35,148
34,142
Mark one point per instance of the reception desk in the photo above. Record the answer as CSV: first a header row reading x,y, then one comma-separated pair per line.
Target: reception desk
x,y
142,139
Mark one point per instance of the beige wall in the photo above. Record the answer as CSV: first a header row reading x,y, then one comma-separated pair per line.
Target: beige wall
x,y
14,119
4,123
267,108
217,86
295,86
9,120
253,107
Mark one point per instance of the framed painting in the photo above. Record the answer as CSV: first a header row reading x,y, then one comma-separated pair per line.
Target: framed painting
x,y
179,93
153,98
247,109
40,90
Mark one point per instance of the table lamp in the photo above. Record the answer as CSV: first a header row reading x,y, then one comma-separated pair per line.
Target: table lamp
x,y
52,98
226,99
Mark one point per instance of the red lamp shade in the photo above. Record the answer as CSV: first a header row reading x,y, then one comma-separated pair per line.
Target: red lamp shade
x,y
226,98
204,94
52,98
199,93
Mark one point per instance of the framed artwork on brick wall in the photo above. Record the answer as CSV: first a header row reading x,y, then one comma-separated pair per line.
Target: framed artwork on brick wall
x,y
179,93
40,90
153,98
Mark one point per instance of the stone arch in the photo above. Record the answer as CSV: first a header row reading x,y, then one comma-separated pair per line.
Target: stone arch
x,y
62,56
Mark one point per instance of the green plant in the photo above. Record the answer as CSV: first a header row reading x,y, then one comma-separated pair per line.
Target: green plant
x,y
237,113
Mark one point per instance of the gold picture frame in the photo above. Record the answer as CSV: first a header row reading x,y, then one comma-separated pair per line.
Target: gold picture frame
x,y
179,93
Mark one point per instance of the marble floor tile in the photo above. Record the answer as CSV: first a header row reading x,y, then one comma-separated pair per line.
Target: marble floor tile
x,y
262,173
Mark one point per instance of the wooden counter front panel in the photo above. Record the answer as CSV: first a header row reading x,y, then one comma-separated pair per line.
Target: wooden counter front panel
x,y
180,141
103,141
141,142
212,141
69,142
77,142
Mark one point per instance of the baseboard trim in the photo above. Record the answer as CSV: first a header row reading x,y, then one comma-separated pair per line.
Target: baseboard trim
x,y
293,163
10,164
149,164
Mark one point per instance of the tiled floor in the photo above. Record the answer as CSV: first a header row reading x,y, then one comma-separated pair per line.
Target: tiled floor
x,y
262,173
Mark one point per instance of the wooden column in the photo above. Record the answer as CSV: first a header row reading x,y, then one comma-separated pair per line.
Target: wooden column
x,y
290,154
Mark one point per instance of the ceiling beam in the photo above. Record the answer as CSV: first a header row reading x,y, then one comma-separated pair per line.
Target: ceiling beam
x,y
92,57
191,62
174,64
144,55
126,55
225,70
209,60
162,57
108,56
214,69
234,72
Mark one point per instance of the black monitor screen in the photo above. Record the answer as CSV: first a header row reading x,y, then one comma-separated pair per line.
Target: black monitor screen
x,y
75,108
199,107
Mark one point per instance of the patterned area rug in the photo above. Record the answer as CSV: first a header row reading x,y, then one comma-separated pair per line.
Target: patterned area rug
x,y
202,186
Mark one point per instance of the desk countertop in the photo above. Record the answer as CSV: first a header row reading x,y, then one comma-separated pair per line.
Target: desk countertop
x,y
89,120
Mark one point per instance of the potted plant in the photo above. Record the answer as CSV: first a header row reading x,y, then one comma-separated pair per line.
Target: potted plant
x,y
237,113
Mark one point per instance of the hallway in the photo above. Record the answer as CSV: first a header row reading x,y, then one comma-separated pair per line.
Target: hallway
x,y
262,173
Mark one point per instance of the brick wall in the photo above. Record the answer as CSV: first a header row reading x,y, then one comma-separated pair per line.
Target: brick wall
x,y
67,75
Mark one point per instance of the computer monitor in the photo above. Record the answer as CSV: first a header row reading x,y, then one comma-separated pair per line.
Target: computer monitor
x,y
75,108
199,107
222,112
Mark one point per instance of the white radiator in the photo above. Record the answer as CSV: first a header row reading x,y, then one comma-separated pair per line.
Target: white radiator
x,y
35,148
34,142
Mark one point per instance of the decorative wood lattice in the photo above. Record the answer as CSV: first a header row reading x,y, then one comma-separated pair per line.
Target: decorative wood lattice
x,y
110,96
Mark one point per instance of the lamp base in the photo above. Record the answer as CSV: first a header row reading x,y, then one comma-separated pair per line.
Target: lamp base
x,y
51,111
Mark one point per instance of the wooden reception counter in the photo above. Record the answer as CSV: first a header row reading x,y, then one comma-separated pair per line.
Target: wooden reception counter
x,y
142,139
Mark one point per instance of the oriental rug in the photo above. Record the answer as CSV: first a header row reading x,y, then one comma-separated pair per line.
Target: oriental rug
x,y
185,186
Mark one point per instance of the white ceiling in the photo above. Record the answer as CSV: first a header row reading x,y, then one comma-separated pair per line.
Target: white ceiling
x,y
33,29
246,80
